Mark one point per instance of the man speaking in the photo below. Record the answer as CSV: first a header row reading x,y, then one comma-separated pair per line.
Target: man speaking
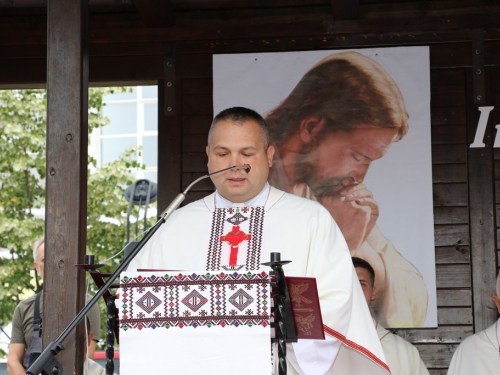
x,y
270,220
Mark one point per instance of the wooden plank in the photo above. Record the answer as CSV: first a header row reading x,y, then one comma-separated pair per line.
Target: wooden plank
x,y
301,43
448,116
449,173
451,215
126,68
447,77
448,96
452,254
199,67
451,235
452,55
497,214
197,86
449,154
194,143
67,144
102,69
453,276
497,191
196,124
196,162
446,195
197,105
23,71
455,315
437,356
345,9
224,30
454,298
439,335
448,135
155,13
482,220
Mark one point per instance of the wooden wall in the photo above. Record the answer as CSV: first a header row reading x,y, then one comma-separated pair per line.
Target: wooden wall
x,y
453,120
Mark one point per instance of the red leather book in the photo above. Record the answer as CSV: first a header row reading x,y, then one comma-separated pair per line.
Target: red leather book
x,y
305,306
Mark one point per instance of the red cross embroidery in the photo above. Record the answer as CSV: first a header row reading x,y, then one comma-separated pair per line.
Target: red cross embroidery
x,y
235,238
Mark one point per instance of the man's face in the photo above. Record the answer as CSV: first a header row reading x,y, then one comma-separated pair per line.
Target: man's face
x,y
39,262
238,144
341,158
365,280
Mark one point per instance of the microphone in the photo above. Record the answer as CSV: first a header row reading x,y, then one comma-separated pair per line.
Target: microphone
x,y
180,197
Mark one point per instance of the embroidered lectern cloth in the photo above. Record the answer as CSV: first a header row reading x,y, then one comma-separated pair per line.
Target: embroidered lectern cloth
x,y
194,322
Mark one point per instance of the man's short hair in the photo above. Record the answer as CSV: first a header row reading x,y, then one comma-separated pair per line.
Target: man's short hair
x,y
349,90
37,244
361,263
240,115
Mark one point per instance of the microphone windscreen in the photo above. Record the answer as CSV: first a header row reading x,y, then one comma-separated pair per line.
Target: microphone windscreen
x,y
247,167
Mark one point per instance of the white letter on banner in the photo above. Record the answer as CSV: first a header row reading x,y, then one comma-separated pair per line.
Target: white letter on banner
x,y
497,138
481,127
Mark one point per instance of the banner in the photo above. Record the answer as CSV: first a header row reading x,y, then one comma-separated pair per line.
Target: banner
x,y
351,130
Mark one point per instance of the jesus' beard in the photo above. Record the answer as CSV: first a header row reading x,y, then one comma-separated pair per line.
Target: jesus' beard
x,y
321,187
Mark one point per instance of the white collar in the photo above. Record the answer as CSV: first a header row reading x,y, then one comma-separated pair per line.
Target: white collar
x,y
498,331
258,201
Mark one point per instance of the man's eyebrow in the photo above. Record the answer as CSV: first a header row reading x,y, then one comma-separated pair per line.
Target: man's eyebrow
x,y
224,148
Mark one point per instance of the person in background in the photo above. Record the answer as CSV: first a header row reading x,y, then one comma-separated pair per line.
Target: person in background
x,y
480,353
402,357
26,340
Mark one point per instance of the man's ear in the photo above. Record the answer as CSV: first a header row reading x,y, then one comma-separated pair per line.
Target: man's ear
x,y
496,299
374,293
310,127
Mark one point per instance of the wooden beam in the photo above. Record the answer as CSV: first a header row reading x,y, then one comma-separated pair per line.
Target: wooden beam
x,y
481,214
155,13
169,131
393,28
345,9
66,197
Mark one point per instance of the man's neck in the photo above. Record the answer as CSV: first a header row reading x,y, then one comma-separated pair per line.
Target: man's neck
x,y
257,201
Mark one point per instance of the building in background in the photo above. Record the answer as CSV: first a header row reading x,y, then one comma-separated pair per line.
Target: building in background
x,y
133,120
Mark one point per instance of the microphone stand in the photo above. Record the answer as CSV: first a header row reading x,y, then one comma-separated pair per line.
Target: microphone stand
x,y
47,363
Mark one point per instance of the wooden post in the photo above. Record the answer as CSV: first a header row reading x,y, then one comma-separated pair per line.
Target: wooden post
x,y
169,132
481,205
66,198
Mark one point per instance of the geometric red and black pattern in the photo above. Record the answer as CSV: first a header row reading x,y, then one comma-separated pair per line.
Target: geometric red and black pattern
x,y
167,300
250,221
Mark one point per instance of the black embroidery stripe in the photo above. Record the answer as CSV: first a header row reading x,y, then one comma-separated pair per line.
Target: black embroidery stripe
x,y
215,245
256,227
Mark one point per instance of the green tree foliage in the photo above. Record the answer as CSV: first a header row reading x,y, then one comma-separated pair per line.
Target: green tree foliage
x,y
22,192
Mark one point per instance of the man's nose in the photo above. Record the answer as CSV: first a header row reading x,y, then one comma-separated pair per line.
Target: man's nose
x,y
359,172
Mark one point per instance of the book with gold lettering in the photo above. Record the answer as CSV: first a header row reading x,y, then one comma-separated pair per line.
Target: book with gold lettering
x,y
305,306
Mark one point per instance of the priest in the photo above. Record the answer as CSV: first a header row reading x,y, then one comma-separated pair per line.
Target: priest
x,y
479,353
238,226
402,357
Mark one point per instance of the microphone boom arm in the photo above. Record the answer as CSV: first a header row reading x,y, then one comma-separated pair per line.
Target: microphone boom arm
x,y
47,364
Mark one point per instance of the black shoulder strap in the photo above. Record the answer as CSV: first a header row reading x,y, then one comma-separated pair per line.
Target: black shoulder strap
x,y
37,322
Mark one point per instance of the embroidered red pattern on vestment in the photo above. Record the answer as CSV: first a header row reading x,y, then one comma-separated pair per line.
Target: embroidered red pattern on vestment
x,y
236,239
179,300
